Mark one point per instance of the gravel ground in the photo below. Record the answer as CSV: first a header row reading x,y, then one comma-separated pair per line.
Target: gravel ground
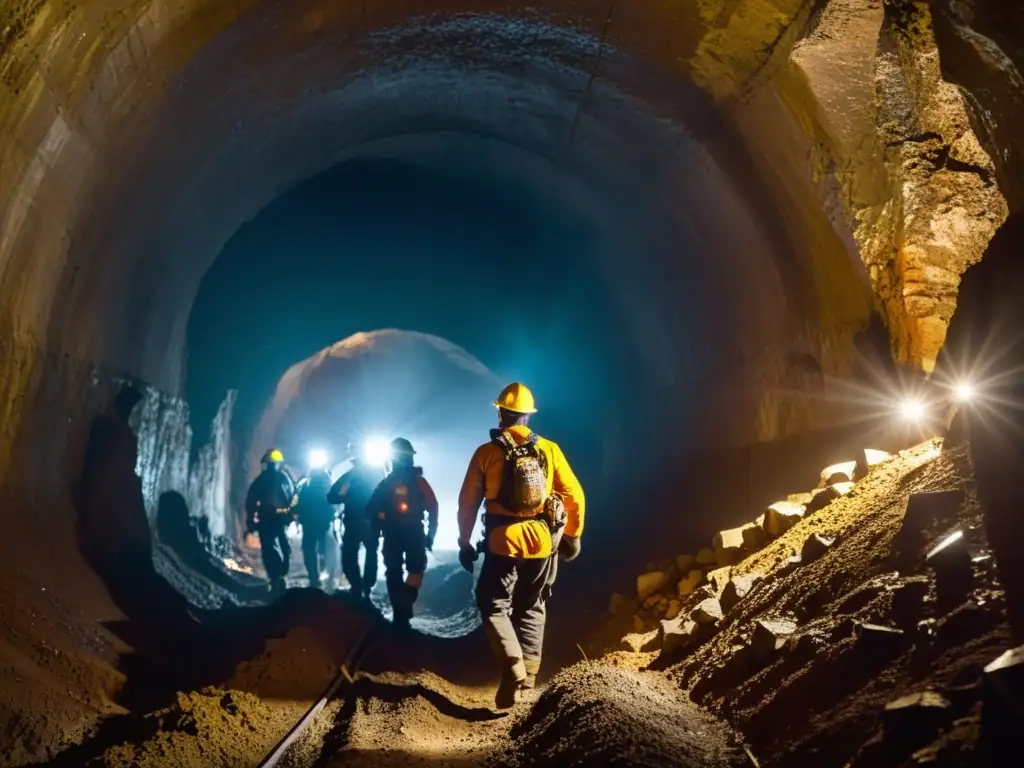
x,y
427,700
595,714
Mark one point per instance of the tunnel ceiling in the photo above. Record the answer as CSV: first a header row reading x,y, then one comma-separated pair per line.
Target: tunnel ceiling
x,y
743,152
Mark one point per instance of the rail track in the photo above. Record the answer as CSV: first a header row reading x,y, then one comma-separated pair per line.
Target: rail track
x,y
346,675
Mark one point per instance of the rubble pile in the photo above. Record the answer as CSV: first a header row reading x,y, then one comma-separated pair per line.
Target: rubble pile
x,y
870,604
680,587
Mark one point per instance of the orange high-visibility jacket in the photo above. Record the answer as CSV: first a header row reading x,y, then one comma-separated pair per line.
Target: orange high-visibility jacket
x,y
520,538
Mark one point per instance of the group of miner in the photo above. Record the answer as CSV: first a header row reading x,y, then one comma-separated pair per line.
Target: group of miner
x,y
533,517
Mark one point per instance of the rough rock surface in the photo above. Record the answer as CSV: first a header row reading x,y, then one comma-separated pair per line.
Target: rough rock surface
x,y
649,583
825,654
982,50
915,188
781,516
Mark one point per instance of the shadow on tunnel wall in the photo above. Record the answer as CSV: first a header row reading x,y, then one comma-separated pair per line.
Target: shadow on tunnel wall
x,y
185,535
111,525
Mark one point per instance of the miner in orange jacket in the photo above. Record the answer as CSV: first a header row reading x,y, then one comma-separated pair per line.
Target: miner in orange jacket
x,y
534,509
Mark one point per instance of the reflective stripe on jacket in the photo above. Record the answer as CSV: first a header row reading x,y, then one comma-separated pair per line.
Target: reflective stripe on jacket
x,y
519,538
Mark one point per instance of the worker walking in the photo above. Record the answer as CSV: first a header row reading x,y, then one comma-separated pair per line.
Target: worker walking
x,y
268,507
316,516
354,489
534,510
396,509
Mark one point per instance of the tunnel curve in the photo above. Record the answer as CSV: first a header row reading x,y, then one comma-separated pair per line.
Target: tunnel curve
x,y
207,121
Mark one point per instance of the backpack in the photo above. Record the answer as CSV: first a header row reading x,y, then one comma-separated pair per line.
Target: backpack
x,y
405,499
524,480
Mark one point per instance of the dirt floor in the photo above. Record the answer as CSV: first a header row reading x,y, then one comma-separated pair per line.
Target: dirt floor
x,y
816,697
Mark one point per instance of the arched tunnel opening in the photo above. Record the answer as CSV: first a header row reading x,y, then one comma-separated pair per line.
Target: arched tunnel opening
x,y
723,246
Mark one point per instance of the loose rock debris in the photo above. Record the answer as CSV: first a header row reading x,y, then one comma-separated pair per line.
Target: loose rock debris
x,y
883,669
815,620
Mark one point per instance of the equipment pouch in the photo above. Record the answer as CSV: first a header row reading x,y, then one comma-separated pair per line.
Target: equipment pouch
x,y
554,512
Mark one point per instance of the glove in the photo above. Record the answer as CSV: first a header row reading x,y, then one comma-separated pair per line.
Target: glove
x,y
467,557
430,542
569,548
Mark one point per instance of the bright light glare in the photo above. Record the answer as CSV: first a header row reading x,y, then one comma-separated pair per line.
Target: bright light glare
x,y
377,451
964,393
912,410
317,458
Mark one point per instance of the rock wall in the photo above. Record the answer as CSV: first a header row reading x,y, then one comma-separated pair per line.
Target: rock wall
x,y
982,51
906,177
905,211
161,424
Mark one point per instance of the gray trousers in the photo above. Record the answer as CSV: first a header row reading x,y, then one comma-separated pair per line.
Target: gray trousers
x,y
512,595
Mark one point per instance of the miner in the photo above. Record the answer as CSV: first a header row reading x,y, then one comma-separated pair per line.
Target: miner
x,y
316,514
268,507
397,510
534,509
354,489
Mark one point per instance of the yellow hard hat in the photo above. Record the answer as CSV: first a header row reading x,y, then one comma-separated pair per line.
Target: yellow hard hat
x,y
273,456
517,398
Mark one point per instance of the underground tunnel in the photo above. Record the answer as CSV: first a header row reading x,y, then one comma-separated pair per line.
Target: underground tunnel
x,y
700,233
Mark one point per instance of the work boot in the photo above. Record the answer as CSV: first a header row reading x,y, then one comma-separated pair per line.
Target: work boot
x,y
402,625
512,679
532,668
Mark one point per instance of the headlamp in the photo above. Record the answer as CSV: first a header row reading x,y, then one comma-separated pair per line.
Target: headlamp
x,y
377,451
912,410
317,458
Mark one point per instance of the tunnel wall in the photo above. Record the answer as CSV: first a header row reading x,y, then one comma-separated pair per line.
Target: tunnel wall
x,y
719,136
74,277
94,273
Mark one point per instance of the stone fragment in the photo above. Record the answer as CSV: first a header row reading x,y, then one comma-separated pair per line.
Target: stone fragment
x,y
754,536
685,563
915,718
621,605
908,602
738,588
781,516
928,507
870,457
674,606
708,611
690,582
876,639
673,633
814,547
1002,713
822,498
801,498
718,578
928,514
838,473
649,583
843,489
703,592
950,558
728,546
706,557
770,635
790,565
